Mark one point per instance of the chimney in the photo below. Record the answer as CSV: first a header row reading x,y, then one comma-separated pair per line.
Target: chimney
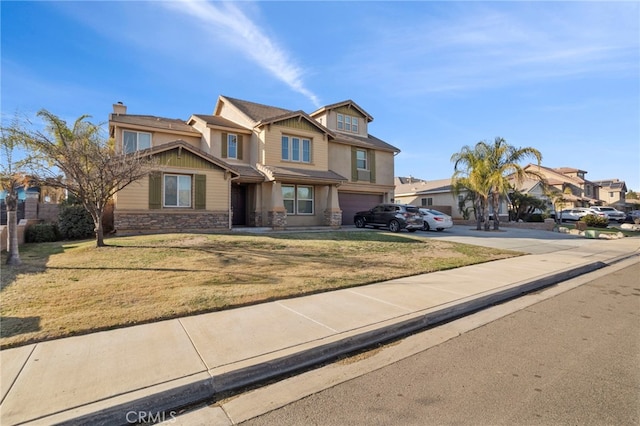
x,y
119,108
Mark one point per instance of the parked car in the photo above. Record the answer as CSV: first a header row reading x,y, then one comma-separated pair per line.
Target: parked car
x,y
393,216
576,213
434,219
632,216
612,213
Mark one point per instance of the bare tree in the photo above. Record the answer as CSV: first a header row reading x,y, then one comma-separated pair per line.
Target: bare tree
x,y
11,180
81,161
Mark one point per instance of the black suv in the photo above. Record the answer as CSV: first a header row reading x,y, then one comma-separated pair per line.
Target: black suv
x,y
393,216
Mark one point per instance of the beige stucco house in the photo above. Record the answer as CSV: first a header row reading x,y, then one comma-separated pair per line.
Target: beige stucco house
x,y
249,164
438,195
612,191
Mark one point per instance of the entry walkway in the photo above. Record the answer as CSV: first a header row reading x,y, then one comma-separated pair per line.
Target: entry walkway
x,y
110,377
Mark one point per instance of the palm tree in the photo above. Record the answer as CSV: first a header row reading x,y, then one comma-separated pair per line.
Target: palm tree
x,y
470,173
11,179
502,162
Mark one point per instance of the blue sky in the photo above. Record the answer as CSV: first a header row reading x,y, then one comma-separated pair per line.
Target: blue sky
x,y
562,77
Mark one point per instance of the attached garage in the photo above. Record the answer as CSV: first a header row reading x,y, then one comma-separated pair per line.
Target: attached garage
x,y
352,202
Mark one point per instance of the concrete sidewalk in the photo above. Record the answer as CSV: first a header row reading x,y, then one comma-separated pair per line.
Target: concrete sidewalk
x,y
111,377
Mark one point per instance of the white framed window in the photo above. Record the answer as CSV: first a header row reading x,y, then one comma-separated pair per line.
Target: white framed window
x,y
347,123
232,146
177,190
296,149
361,159
426,202
135,141
298,199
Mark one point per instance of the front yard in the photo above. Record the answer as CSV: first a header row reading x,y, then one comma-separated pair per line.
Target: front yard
x,y
69,288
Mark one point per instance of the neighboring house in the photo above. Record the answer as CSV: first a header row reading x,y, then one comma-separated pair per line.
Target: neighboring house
x,y
436,194
612,191
570,182
249,164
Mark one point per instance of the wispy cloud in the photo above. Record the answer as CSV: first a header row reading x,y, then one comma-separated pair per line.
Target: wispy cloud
x,y
226,21
479,47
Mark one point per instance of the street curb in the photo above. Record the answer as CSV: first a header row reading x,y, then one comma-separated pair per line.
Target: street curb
x,y
171,400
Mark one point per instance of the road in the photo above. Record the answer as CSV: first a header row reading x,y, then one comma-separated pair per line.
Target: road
x,y
571,359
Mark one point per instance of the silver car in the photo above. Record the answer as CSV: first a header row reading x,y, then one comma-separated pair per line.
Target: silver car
x,y
612,213
577,213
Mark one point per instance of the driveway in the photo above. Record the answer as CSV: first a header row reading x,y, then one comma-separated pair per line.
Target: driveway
x,y
530,241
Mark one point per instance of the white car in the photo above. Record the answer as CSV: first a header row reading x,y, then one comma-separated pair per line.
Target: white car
x,y
576,213
433,219
612,213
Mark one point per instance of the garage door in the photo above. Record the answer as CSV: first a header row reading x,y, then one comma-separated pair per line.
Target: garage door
x,y
351,202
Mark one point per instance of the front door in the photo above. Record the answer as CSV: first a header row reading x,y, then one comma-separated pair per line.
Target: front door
x,y
239,204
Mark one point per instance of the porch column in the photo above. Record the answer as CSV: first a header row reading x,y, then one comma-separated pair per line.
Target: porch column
x,y
277,214
333,213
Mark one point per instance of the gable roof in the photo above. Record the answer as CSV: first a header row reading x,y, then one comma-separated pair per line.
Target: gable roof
x,y
301,115
172,124
348,103
256,112
413,186
183,145
218,121
612,184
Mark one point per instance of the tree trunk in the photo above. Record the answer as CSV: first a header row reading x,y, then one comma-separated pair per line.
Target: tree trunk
x,y
496,207
485,211
478,212
13,250
96,215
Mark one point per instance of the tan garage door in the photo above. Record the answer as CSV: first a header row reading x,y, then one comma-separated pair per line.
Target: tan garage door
x,y
351,202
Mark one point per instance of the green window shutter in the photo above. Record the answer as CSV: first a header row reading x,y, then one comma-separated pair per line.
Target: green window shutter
x,y
155,190
239,147
354,164
200,190
371,156
224,145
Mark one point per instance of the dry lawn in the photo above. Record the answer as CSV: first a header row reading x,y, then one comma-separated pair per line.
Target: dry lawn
x,y
65,288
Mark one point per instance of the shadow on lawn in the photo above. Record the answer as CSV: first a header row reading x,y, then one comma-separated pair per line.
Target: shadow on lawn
x,y
34,257
13,326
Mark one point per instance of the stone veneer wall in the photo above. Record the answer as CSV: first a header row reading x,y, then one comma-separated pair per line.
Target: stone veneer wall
x,y
159,221
333,218
277,219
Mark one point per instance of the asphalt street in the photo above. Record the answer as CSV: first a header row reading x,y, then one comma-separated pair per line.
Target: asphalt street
x,y
571,359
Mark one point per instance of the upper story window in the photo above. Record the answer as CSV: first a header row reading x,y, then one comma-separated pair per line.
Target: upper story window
x,y
347,123
296,149
361,159
232,146
135,141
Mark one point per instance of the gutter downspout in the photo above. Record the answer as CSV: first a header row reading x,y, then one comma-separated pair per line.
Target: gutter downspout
x,y
230,224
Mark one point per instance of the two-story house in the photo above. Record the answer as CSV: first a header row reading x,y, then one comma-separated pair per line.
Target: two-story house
x,y
249,164
612,191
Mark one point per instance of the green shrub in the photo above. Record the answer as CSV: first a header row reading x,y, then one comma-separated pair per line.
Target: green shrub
x,y
75,222
42,233
535,217
595,221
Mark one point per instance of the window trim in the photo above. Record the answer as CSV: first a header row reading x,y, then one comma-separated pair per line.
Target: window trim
x,y
296,149
235,151
347,123
366,159
164,191
137,147
296,199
